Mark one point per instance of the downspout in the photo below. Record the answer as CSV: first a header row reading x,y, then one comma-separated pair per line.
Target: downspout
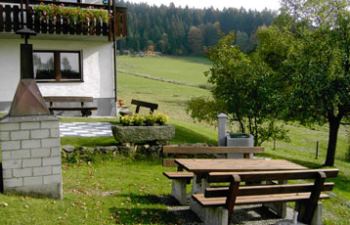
x,y
115,46
115,81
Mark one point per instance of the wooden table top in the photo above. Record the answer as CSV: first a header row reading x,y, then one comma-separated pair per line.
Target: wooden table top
x,y
231,165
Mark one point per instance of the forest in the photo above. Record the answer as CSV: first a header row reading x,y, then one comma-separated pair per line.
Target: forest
x,y
188,31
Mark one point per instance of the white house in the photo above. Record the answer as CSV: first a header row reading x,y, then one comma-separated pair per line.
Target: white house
x,y
73,56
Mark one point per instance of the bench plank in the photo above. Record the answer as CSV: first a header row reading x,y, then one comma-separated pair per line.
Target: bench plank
x,y
178,175
72,108
68,99
192,150
215,177
254,199
266,189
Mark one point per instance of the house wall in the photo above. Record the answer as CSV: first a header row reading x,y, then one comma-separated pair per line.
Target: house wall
x,y
97,71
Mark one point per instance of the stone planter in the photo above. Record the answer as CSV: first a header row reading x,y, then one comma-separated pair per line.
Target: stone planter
x,y
143,134
239,140
246,140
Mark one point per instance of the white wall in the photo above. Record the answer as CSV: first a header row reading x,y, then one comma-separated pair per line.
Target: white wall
x,y
9,68
97,68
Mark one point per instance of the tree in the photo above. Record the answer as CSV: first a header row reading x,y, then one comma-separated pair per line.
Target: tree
x,y
316,64
195,40
242,40
244,87
150,23
163,43
211,34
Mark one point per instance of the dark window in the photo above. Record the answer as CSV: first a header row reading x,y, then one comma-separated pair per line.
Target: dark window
x,y
73,1
57,66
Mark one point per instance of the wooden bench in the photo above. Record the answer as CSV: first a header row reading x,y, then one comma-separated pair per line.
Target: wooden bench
x,y
151,106
180,178
85,110
216,205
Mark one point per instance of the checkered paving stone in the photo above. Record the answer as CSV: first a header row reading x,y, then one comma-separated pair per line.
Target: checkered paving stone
x,y
80,129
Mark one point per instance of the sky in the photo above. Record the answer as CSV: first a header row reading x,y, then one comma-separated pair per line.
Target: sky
x,y
248,4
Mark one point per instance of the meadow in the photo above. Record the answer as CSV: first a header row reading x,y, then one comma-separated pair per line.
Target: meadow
x,y
301,148
121,190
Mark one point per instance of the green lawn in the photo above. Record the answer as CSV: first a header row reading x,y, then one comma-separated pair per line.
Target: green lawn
x,y
301,149
171,98
188,70
127,191
104,193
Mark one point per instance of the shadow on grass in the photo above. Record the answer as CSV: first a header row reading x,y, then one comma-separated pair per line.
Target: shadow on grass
x,y
342,183
149,211
142,216
149,199
185,135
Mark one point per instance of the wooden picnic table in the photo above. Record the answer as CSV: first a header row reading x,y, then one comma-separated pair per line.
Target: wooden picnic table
x,y
202,167
205,166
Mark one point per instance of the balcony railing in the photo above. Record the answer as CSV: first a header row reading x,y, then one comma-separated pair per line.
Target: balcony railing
x,y
46,23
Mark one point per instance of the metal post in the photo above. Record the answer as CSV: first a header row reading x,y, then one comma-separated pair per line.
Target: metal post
x,y
22,16
317,149
115,57
27,71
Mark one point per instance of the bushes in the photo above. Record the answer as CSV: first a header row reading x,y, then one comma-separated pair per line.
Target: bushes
x,y
144,120
71,154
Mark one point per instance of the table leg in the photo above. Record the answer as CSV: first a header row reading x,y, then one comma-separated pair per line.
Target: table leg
x,y
279,208
199,185
178,191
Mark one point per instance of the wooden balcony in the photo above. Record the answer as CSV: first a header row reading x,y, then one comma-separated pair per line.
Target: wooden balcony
x,y
114,27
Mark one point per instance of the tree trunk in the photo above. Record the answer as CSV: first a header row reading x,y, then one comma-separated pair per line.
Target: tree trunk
x,y
241,123
334,123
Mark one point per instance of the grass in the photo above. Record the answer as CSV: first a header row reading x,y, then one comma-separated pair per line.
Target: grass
x,y
2,115
126,191
104,193
171,98
188,70
301,149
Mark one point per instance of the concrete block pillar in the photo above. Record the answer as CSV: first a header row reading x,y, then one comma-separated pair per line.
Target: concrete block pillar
x,y
31,156
222,121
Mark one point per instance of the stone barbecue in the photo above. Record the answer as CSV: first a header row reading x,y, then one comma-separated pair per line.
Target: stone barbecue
x,y
29,136
31,156
30,145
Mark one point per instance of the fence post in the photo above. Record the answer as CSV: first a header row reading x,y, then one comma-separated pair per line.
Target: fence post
x,y
317,149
